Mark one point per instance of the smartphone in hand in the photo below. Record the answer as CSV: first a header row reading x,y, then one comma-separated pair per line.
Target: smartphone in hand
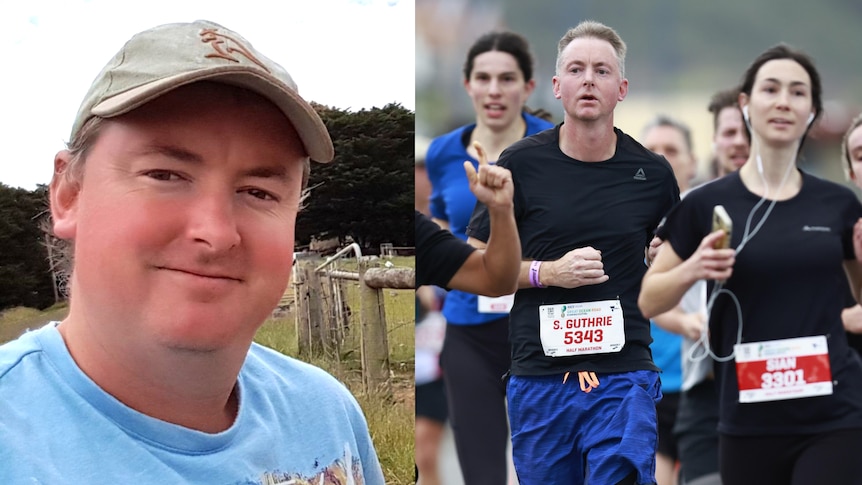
x,y
721,220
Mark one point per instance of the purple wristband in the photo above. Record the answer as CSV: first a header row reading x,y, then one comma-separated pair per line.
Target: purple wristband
x,y
534,274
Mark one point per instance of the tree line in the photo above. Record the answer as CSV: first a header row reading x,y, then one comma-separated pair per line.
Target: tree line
x,y
365,196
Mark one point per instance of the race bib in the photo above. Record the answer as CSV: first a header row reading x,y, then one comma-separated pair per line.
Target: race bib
x,y
430,332
594,327
783,369
501,304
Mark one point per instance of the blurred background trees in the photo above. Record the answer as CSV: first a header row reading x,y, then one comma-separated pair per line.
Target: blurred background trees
x,y
679,53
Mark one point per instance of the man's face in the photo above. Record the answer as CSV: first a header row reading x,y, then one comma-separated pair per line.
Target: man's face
x,y
184,221
731,142
588,81
670,143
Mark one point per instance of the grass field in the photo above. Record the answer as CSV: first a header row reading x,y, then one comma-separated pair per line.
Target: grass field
x,y
15,321
390,419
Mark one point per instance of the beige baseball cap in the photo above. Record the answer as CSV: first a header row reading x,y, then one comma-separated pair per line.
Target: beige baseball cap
x,y
166,57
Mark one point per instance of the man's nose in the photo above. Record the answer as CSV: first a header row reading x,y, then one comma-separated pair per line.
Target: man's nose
x,y
213,222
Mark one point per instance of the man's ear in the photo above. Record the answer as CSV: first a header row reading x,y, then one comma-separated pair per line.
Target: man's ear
x,y
556,81
64,190
624,90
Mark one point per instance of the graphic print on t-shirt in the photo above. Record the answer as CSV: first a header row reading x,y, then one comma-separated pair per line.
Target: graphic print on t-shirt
x,y
343,471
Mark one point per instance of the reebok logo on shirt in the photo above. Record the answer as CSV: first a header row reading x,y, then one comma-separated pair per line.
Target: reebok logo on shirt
x,y
640,175
816,229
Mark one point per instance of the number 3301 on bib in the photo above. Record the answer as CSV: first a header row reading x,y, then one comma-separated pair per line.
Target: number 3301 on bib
x,y
783,369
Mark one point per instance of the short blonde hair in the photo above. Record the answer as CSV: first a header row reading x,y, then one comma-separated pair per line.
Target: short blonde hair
x,y
596,30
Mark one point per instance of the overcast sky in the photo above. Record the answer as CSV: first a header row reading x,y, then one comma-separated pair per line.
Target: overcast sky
x,y
349,54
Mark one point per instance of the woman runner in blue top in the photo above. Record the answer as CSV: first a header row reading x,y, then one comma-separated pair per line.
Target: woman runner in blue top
x,y
498,77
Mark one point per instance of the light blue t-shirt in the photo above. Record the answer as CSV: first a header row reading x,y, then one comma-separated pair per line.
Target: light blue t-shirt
x,y
296,424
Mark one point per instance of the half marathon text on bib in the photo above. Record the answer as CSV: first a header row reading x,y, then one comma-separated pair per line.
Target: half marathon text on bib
x,y
593,327
783,369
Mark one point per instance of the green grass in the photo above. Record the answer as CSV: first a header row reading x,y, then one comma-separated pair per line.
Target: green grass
x,y
15,321
391,424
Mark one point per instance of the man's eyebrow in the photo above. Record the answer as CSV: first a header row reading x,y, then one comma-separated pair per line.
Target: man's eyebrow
x,y
581,62
272,171
177,153
276,170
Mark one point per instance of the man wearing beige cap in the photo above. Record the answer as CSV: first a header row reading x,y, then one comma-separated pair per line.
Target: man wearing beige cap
x,y
178,194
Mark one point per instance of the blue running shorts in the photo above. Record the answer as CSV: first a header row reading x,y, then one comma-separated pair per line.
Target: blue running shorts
x,y
580,428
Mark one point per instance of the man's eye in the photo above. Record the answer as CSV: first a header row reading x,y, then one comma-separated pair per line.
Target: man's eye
x,y
164,175
261,194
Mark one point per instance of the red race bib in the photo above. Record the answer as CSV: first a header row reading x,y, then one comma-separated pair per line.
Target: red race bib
x,y
783,369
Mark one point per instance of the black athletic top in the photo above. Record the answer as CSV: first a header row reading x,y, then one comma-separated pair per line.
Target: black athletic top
x,y
439,254
790,282
562,204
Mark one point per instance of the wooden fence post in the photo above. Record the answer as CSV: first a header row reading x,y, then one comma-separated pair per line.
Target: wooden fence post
x,y
329,335
373,337
316,310
300,280
340,314
309,309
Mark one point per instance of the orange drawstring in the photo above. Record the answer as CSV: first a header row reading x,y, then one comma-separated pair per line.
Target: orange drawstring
x,y
588,380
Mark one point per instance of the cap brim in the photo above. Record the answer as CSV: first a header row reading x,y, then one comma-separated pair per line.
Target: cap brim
x,y
305,120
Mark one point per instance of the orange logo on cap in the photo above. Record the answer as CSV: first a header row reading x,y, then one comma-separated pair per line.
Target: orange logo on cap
x,y
226,46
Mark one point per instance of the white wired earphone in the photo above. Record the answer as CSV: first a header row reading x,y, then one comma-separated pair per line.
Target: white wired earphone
x,y
747,235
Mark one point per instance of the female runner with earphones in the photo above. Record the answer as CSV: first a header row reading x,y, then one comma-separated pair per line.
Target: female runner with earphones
x,y
791,405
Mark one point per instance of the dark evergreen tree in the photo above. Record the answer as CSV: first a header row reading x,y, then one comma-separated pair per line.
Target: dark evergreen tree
x,y
25,276
367,193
